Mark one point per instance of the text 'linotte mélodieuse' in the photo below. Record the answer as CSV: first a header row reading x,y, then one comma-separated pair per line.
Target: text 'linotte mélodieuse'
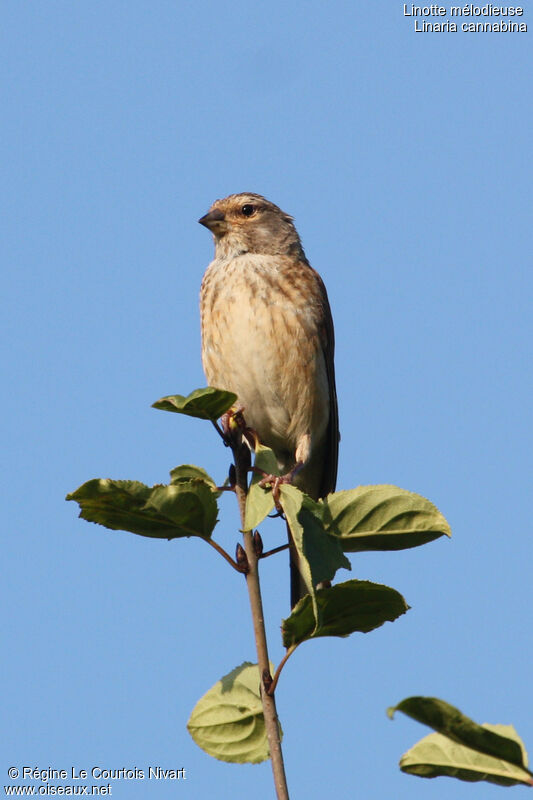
x,y
503,19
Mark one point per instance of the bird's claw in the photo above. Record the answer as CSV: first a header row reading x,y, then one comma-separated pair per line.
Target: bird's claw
x,y
275,482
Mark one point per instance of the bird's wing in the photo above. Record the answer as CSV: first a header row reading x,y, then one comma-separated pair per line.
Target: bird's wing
x,y
329,475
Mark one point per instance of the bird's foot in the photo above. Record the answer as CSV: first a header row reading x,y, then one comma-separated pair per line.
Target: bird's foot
x,y
274,482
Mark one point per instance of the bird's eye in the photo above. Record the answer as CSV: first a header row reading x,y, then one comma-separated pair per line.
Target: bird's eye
x,y
248,209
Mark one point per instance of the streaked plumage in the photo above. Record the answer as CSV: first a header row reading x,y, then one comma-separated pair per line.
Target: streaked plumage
x,y
267,335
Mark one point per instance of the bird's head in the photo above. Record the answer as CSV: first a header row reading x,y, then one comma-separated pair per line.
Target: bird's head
x,y
248,223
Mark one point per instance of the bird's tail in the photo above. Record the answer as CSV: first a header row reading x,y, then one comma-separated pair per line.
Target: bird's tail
x,y
298,588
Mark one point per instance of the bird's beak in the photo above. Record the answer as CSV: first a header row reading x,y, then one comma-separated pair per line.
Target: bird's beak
x,y
215,220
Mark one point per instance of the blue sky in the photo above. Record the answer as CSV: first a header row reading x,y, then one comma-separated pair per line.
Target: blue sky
x,y
405,159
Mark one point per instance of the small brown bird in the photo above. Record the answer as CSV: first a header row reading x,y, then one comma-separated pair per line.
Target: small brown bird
x,y
267,336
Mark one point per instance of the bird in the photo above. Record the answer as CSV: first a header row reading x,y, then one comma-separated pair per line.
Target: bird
x,y
267,336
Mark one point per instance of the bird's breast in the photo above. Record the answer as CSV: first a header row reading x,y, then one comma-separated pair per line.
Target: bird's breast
x,y
261,339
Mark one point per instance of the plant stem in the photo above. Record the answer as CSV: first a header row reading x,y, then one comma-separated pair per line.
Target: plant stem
x,y
256,605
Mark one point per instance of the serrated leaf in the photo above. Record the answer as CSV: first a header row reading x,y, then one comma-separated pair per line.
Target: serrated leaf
x,y
120,505
349,607
382,518
189,509
208,403
260,502
436,755
228,723
451,722
320,555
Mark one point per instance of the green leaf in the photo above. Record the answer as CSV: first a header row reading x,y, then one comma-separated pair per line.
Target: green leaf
x,y
163,512
186,472
382,518
448,720
353,606
228,723
120,505
260,502
191,505
436,755
320,555
209,403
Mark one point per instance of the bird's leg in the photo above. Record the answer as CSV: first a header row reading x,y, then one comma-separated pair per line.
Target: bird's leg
x,y
302,455
275,481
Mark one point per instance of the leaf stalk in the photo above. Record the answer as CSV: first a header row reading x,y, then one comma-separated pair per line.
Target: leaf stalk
x,y
275,679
